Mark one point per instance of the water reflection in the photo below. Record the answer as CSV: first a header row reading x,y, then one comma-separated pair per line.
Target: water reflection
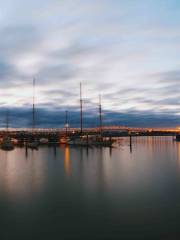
x,y
102,187
67,164
55,152
178,151
108,169
26,152
21,177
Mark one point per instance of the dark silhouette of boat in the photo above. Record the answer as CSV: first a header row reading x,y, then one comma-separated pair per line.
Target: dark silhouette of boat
x,y
87,140
7,143
33,143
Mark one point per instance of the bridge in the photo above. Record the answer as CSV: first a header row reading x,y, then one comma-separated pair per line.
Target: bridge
x,y
53,134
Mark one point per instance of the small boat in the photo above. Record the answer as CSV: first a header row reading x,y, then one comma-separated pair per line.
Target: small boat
x,y
79,141
43,141
33,145
7,144
103,142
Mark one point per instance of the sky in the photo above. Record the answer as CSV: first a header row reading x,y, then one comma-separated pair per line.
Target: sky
x,y
127,51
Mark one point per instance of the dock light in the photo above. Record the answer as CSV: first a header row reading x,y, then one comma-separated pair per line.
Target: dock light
x,y
66,125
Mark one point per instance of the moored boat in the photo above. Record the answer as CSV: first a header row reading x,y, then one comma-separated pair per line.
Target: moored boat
x,y
7,144
79,141
103,142
33,145
43,141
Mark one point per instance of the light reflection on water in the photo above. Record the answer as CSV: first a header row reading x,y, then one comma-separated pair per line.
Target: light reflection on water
x,y
67,163
100,187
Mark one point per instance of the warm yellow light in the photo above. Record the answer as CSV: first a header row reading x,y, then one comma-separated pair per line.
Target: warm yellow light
x,y
67,160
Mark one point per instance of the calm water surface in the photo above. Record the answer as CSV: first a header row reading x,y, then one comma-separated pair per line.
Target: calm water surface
x,y
79,193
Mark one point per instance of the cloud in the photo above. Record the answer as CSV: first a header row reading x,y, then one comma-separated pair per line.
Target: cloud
x,y
22,118
169,77
125,50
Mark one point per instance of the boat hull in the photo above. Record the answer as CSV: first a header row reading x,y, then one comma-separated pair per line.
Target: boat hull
x,y
7,147
33,145
7,144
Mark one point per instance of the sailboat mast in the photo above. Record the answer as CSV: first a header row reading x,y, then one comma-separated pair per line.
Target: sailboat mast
x,y
7,121
81,110
100,115
66,122
33,115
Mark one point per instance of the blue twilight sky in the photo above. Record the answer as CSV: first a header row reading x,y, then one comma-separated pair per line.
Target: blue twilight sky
x,y
128,51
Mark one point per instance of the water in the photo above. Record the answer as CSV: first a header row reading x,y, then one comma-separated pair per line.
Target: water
x,y
79,193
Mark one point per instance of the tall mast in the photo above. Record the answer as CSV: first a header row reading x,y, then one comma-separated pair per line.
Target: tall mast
x,y
100,115
66,122
7,121
81,110
33,115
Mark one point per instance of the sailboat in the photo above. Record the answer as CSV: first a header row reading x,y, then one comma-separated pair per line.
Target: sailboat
x,y
7,143
80,140
65,139
100,140
33,143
